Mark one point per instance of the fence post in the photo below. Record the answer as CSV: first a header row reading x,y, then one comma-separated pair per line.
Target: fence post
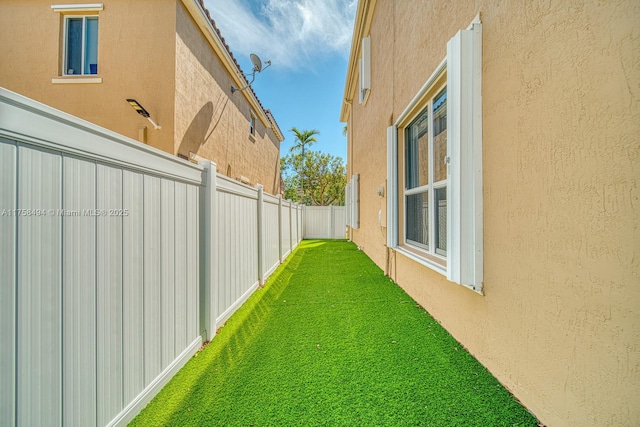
x,y
208,256
297,225
280,228
260,234
290,227
301,223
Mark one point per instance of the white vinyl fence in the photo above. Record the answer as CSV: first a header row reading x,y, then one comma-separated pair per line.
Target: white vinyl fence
x,y
325,222
116,261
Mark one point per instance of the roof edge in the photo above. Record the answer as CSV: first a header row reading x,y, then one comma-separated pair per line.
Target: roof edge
x,y
361,28
203,19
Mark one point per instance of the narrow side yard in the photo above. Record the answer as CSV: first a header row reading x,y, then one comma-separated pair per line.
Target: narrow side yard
x,y
331,341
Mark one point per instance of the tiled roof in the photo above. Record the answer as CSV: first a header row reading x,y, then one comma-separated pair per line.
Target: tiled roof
x,y
273,120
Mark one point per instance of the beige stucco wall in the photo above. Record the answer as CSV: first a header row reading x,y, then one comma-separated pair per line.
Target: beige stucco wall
x,y
214,123
559,323
136,54
154,52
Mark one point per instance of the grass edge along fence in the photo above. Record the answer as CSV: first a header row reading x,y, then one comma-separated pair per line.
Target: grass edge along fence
x,y
330,340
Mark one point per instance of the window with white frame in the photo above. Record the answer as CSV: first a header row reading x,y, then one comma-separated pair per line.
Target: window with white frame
x,y
425,189
434,166
252,124
80,55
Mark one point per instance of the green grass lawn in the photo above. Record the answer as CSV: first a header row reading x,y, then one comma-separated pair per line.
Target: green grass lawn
x,y
331,341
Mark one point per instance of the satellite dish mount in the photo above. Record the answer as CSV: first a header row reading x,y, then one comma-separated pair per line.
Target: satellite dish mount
x,y
257,69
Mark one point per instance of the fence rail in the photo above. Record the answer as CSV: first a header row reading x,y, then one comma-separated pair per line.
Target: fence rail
x,y
116,261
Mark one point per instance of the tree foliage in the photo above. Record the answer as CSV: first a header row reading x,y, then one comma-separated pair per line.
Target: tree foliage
x,y
304,138
318,181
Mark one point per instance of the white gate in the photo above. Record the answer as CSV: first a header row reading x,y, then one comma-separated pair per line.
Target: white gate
x,y
325,222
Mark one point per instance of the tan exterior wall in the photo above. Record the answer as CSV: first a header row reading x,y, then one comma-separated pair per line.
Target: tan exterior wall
x,y
154,52
214,123
136,55
559,323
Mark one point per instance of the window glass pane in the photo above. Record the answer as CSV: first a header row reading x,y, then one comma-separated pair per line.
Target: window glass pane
x,y
91,46
74,46
418,218
440,136
417,152
440,217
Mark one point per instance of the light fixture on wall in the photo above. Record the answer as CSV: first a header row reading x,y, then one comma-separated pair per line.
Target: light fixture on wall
x,y
257,68
144,113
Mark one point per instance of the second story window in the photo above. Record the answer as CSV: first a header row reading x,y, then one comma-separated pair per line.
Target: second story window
x,y
252,124
80,45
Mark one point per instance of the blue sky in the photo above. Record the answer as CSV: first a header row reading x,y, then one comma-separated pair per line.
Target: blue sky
x,y
308,43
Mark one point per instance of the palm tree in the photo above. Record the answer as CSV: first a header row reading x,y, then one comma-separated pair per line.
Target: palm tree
x,y
303,138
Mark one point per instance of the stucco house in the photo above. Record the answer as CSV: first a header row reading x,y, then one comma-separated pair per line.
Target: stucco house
x,y
88,59
494,168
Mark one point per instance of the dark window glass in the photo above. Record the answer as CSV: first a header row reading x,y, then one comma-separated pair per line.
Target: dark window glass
x,y
74,46
417,218
417,152
440,217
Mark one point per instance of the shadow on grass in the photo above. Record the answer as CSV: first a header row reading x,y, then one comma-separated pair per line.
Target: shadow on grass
x,y
238,332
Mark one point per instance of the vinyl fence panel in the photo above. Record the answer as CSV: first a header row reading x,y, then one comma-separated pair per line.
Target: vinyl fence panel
x,y
324,222
100,309
109,292
115,260
133,285
299,220
180,262
152,279
339,222
272,233
317,222
286,227
8,290
192,274
167,256
39,283
79,294
237,241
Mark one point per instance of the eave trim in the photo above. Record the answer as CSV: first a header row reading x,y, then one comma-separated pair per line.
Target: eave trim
x,y
361,28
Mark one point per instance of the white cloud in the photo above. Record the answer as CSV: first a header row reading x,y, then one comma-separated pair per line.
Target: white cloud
x,y
291,33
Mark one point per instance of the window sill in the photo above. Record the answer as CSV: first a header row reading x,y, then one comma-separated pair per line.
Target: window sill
x,y
252,138
76,80
440,266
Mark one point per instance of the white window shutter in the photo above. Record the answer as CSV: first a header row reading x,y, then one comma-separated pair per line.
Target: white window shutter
x,y
347,203
464,146
355,200
392,186
365,69
351,202
366,61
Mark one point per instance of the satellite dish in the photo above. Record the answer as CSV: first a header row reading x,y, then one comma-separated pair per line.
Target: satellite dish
x,y
257,68
257,63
